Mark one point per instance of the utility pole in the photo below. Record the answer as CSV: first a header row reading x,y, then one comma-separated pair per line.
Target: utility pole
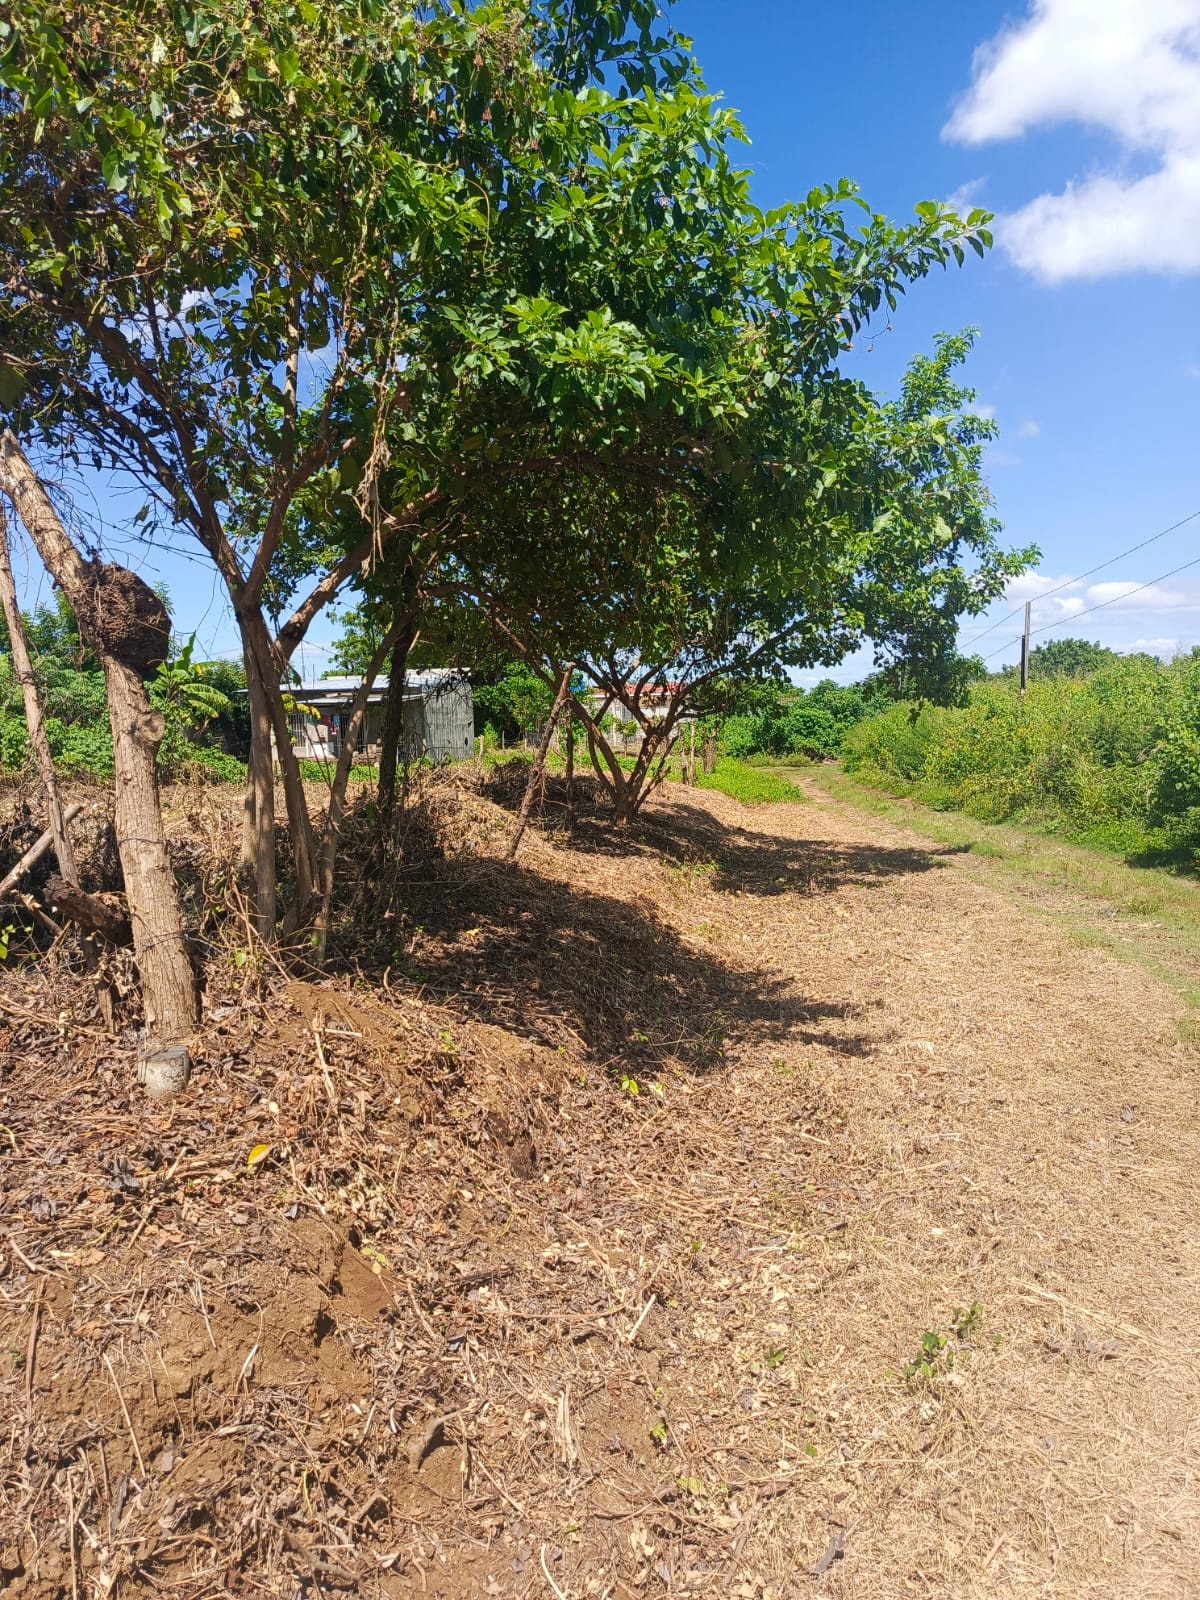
x,y
1025,648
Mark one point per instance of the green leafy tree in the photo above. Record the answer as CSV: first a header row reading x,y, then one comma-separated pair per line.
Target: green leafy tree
x,y
332,279
188,699
1075,658
516,703
833,520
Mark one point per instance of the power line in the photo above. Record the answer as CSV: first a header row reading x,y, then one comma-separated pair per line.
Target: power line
x,y
1117,598
1070,582
1061,622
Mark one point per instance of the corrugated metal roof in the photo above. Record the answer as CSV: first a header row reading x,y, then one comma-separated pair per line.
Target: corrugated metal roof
x,y
428,678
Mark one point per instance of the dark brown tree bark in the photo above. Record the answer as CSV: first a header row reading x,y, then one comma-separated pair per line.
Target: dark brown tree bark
x,y
271,740
101,914
127,626
393,720
569,761
258,839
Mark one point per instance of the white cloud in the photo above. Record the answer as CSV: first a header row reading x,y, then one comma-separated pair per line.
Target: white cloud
x,y
1117,597
1029,429
1131,68
1192,370
1166,648
966,197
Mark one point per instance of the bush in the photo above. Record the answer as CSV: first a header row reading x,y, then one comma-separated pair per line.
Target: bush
x,y
793,723
208,763
808,730
1114,755
740,737
749,784
897,743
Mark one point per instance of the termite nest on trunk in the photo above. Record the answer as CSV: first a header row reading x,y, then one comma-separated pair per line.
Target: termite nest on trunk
x,y
124,618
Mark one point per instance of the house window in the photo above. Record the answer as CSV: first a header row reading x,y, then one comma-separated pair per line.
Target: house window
x,y
338,720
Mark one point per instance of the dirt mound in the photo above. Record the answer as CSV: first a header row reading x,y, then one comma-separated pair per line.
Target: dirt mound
x,y
307,1325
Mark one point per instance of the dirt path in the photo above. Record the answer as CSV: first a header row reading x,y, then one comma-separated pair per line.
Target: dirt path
x,y
1020,1133
410,1296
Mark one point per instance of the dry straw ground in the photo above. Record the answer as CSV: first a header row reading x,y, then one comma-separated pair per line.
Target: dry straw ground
x,y
407,1296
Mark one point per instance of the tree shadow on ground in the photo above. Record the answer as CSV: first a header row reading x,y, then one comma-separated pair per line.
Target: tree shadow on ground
x,y
587,963
567,965
742,860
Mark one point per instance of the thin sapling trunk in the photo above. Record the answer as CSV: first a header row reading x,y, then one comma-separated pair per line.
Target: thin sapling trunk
x,y
127,626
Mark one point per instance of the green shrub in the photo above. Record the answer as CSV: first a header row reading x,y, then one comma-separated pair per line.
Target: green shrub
x,y
741,737
752,785
206,762
1113,756
896,743
808,730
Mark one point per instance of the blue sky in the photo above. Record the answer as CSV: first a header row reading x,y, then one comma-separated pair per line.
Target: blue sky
x,y
1088,308
1078,123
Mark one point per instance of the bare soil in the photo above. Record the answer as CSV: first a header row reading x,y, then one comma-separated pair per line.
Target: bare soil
x,y
411,1294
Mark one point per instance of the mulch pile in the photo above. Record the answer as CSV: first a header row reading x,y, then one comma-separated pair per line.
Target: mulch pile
x,y
749,1204
395,1300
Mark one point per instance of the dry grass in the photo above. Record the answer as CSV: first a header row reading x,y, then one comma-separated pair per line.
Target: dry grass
x,y
480,1322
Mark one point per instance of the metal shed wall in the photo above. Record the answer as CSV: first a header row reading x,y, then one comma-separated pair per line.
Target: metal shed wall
x,y
449,721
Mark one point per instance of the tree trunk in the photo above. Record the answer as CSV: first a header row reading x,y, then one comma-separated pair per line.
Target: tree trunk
x,y
168,985
393,722
268,716
259,832
569,759
614,778
38,741
629,790
539,764
337,790
126,626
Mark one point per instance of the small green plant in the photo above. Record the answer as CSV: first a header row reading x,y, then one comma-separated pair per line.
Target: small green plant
x,y
659,1434
630,1086
751,785
967,1323
7,934
938,1351
933,1359
773,1358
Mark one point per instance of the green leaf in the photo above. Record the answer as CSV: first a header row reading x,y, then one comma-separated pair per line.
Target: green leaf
x,y
114,176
